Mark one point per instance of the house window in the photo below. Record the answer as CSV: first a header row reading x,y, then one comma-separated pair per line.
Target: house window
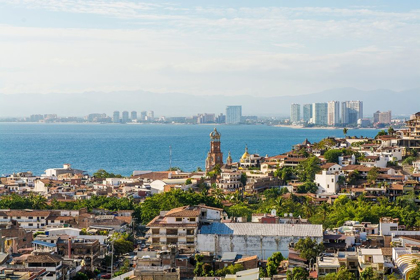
x,y
30,225
18,218
30,218
192,219
178,219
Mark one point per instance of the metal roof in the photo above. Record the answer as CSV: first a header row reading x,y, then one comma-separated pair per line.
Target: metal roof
x,y
43,243
299,230
229,256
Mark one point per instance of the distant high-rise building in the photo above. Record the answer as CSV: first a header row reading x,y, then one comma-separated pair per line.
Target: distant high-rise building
x,y
295,113
125,117
36,118
95,117
233,114
351,111
307,112
133,115
150,115
143,115
320,113
382,117
333,113
116,117
221,118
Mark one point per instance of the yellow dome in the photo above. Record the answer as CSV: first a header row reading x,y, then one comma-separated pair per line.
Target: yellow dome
x,y
245,155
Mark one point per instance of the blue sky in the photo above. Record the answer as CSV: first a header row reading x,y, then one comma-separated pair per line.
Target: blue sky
x,y
263,48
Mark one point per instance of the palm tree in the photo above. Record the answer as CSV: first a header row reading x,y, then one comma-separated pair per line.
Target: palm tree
x,y
38,201
391,130
345,130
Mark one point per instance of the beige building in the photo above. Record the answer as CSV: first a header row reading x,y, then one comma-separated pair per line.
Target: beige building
x,y
179,226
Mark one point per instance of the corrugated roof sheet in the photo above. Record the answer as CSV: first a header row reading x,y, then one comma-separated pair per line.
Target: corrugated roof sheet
x,y
263,229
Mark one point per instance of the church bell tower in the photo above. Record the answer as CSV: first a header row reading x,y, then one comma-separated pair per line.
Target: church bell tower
x,y
215,155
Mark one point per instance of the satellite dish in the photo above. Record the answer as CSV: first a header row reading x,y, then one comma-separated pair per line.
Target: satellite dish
x,y
285,215
290,214
273,212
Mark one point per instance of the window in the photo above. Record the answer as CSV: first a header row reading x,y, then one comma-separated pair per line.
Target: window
x,y
178,219
192,219
18,218
30,225
30,218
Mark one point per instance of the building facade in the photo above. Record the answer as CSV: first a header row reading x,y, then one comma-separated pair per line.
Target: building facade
x,y
320,113
307,112
333,113
233,114
295,113
351,111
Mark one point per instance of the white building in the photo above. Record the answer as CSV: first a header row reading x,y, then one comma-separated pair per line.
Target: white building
x,y
307,112
233,114
55,172
351,112
320,113
295,113
333,113
254,238
327,183
229,179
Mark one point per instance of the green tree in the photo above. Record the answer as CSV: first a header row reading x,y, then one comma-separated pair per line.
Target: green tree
x,y
38,201
307,169
332,155
345,130
415,274
381,133
231,269
298,273
243,179
308,248
273,263
372,174
188,181
391,130
80,276
342,274
370,274
103,174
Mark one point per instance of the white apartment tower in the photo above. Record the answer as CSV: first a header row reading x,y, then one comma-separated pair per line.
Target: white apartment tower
x,y
351,111
307,112
233,114
295,113
320,113
333,113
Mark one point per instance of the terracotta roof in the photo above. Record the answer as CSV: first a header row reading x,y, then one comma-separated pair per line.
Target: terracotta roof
x,y
44,258
128,220
185,211
34,213
328,165
250,258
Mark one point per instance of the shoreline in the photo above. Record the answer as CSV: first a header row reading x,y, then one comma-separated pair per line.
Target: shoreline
x,y
324,127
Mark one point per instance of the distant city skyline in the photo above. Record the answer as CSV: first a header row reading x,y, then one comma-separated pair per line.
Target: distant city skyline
x,y
261,48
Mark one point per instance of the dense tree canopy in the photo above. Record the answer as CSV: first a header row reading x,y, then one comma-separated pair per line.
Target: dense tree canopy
x,y
103,174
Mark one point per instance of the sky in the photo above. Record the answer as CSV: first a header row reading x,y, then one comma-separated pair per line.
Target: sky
x,y
260,48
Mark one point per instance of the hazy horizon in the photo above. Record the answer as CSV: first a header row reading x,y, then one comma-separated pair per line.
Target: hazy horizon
x,y
235,48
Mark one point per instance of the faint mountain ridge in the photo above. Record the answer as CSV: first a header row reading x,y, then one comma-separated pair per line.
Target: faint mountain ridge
x,y
180,104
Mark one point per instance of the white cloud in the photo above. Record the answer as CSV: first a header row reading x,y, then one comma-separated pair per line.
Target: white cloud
x,y
211,50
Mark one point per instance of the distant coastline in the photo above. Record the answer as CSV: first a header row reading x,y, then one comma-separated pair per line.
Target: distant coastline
x,y
322,127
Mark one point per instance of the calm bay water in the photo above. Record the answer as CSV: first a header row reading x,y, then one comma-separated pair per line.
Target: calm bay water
x,y
124,148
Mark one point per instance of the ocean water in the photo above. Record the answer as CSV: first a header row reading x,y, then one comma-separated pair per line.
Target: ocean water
x,y
124,148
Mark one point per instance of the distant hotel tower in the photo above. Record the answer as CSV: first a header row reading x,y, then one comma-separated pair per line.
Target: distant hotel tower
x,y
233,114
295,113
215,156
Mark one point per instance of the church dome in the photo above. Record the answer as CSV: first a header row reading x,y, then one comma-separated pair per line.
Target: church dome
x,y
245,155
